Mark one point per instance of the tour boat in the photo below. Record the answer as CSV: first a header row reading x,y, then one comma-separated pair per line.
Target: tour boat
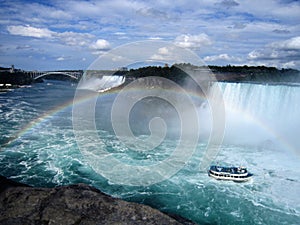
x,y
237,174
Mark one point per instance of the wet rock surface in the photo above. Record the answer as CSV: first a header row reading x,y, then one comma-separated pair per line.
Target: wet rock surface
x,y
74,204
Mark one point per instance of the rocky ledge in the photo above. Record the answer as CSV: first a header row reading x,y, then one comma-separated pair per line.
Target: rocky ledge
x,y
74,204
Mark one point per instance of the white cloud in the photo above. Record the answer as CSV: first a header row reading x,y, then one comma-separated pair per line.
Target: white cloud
x,y
224,57
120,33
100,44
29,31
35,14
278,50
172,54
60,58
155,38
163,51
255,54
100,47
164,54
290,64
284,53
290,44
156,14
75,39
193,41
69,38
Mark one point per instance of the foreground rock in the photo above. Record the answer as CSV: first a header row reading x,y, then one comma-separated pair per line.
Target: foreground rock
x,y
75,204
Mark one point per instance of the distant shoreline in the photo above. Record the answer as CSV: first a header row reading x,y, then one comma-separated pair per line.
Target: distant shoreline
x,y
13,78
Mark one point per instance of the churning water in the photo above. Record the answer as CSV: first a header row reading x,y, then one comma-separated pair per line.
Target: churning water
x,y
38,147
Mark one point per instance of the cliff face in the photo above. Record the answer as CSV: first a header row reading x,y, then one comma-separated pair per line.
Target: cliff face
x,y
75,204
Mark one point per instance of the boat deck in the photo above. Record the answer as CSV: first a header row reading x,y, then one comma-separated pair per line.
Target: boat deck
x,y
231,170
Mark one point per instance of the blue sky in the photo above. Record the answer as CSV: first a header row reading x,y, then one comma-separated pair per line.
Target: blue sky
x,y
54,34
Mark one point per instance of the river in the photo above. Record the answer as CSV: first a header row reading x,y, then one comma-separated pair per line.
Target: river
x,y
39,148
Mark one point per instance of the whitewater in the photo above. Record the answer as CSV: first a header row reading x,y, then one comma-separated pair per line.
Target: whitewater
x,y
39,148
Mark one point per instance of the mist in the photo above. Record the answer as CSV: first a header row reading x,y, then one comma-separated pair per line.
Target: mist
x,y
255,114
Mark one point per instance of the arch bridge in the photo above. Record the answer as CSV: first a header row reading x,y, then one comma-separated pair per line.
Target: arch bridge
x,y
72,74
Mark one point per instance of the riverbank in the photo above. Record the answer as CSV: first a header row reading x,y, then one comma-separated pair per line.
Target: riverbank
x,y
73,204
177,73
14,79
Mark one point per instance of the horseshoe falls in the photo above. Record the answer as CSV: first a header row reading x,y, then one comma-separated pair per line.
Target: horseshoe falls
x,y
268,112
262,126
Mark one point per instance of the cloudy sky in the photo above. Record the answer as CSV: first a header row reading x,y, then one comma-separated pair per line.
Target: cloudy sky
x,y
69,34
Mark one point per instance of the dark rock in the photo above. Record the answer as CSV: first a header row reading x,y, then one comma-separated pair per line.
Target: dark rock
x,y
74,204
6,183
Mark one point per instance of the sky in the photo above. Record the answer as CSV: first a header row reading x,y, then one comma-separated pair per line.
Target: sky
x,y
69,34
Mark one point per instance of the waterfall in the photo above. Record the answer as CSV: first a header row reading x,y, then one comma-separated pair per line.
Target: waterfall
x,y
101,84
258,113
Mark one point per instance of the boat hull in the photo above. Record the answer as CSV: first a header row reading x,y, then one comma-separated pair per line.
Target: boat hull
x,y
237,179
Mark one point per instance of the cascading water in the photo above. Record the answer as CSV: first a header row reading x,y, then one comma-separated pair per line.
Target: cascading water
x,y
101,84
258,113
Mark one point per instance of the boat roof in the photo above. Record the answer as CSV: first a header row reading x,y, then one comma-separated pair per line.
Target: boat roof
x,y
225,169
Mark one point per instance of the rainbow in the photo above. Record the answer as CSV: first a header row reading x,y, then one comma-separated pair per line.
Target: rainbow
x,y
285,144
34,124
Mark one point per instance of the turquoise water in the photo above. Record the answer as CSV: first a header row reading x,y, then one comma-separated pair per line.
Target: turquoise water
x,y
38,147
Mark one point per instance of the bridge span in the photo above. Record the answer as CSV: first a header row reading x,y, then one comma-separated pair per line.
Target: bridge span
x,y
35,75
